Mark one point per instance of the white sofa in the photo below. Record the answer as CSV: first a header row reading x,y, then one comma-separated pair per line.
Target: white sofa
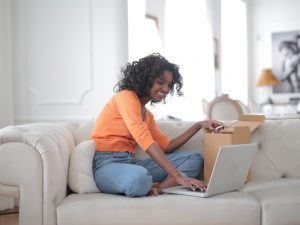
x,y
34,165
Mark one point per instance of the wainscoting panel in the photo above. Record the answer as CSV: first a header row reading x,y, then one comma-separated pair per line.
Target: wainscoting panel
x,y
59,50
67,55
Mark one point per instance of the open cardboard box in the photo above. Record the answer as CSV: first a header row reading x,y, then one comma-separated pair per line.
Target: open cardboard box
x,y
239,132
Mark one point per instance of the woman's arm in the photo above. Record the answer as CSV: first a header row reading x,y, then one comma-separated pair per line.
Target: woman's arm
x,y
184,137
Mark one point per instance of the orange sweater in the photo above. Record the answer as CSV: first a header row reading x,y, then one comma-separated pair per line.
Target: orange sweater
x,y
120,126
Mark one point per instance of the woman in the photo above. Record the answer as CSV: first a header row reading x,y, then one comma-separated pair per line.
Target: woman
x,y
125,122
291,55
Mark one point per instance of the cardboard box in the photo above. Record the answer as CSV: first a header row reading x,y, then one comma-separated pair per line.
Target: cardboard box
x,y
238,132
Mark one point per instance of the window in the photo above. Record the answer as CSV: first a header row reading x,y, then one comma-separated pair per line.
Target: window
x,y
234,49
187,42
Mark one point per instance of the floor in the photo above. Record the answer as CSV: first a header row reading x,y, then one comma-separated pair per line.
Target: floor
x,y
9,217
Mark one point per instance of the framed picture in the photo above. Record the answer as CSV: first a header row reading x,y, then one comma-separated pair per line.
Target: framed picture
x,y
286,61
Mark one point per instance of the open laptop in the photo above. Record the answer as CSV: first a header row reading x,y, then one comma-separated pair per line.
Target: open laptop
x,y
229,172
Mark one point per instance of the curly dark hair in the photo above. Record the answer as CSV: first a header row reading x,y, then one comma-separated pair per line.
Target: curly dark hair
x,y
140,75
289,45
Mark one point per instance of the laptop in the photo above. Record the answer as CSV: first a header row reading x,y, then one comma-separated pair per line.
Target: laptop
x,y
229,173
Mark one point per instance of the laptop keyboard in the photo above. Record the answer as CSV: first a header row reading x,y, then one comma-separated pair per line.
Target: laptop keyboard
x,y
197,190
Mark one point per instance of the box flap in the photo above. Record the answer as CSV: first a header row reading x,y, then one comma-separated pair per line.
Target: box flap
x,y
252,121
250,117
246,120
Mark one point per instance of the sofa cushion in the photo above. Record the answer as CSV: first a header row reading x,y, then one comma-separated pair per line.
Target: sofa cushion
x,y
80,178
83,131
280,200
235,208
256,185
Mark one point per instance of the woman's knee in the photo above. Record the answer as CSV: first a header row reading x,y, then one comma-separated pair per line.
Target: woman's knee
x,y
139,183
196,160
193,164
197,156
192,156
127,179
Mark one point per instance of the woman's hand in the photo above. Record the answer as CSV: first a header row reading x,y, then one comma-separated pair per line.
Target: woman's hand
x,y
212,125
191,183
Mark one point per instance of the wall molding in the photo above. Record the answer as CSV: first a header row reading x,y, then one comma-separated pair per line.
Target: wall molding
x,y
27,120
78,100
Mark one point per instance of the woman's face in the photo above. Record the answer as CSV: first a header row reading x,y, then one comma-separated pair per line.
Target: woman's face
x,y
161,86
287,52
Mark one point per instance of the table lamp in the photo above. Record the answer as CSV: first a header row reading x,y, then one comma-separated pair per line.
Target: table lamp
x,y
267,78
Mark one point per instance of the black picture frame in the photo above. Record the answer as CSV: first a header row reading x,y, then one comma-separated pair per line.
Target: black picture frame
x,y
286,61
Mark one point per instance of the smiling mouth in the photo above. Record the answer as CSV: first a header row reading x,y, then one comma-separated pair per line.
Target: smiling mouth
x,y
163,95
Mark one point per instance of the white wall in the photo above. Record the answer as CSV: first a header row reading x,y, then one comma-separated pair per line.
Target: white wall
x,y
6,107
214,17
67,57
156,8
267,16
64,57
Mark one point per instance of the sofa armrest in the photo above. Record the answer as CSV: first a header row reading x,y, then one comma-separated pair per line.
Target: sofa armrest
x,y
34,158
21,176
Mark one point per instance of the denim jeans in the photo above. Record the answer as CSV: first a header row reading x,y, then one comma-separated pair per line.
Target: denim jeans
x,y
122,173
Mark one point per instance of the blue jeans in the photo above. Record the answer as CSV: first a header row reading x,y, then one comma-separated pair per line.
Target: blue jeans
x,y
122,173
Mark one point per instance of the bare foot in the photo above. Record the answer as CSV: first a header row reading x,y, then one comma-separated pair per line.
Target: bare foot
x,y
154,191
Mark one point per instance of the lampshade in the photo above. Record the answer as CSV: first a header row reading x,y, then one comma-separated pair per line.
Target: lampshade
x,y
267,78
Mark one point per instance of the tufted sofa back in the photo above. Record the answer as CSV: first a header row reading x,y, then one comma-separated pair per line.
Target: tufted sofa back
x,y
278,145
278,153
278,141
